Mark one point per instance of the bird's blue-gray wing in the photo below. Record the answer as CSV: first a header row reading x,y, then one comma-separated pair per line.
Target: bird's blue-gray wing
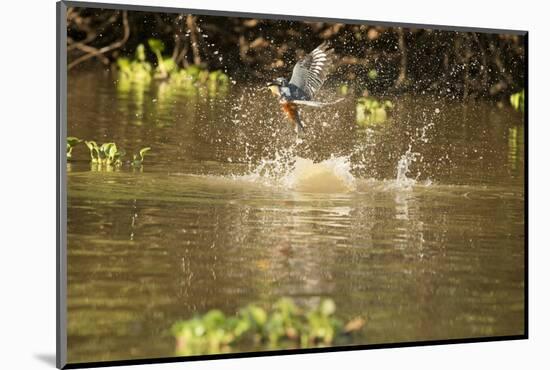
x,y
310,73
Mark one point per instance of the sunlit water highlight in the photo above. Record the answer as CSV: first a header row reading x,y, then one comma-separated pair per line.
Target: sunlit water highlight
x,y
331,175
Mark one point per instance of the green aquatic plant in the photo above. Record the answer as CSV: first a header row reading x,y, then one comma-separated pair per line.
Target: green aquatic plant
x,y
373,74
138,158
105,154
283,326
517,100
140,54
71,142
94,153
192,80
165,65
372,111
343,89
217,80
137,70
195,80
108,154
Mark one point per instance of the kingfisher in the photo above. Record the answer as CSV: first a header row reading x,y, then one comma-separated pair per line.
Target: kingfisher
x,y
308,76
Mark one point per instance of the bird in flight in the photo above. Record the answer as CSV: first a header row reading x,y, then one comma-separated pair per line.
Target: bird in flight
x,y
308,76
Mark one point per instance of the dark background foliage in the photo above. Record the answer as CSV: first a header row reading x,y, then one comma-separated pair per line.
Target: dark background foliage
x,y
373,58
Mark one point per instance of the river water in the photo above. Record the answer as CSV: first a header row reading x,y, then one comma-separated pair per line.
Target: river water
x,y
417,224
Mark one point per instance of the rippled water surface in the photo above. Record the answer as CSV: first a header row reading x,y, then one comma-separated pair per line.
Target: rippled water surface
x,y
416,225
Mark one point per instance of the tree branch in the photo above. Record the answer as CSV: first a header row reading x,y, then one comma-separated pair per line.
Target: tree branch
x,y
93,52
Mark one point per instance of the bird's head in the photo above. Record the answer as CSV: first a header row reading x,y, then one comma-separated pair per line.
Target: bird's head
x,y
276,84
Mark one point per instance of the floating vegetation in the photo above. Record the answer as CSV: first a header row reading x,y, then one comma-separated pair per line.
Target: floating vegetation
x,y
71,142
373,74
106,154
137,70
196,81
518,100
370,111
284,326
165,65
192,79
138,158
343,89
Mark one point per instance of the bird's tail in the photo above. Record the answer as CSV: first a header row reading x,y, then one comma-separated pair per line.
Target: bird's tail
x,y
316,104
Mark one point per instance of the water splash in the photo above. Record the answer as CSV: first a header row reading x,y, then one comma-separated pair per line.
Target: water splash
x,y
290,171
271,171
354,167
332,175
336,174
403,181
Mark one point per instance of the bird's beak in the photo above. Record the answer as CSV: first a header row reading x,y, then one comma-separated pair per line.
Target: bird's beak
x,y
273,87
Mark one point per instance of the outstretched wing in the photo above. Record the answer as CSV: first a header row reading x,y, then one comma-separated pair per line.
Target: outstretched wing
x,y
310,73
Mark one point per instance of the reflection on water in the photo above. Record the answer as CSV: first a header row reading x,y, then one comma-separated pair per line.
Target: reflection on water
x,y
418,225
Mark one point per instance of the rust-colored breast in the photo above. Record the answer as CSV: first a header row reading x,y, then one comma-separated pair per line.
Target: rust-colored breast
x,y
290,110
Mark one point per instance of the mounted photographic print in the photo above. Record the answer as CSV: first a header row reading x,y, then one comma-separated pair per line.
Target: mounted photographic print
x,y
237,184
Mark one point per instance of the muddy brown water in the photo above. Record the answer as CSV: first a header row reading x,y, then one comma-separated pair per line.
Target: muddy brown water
x,y
416,225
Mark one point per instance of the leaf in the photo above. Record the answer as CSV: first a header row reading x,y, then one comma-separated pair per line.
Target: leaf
x,y
104,152
72,141
105,147
371,111
140,53
143,151
170,65
92,146
379,115
344,89
193,70
156,45
373,74
213,319
136,162
124,65
258,314
203,76
112,151
517,100
223,79
328,307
